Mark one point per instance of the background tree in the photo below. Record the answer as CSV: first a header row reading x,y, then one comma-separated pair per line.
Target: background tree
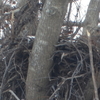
x,y
91,24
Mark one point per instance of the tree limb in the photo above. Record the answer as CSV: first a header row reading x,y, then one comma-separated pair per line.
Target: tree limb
x,y
92,66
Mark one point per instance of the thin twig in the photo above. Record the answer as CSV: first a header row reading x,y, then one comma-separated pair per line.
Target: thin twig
x,y
77,76
14,94
9,90
60,84
69,12
5,73
92,66
14,11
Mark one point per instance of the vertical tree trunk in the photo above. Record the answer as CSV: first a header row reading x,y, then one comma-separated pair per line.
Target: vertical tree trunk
x,y
91,23
46,37
91,20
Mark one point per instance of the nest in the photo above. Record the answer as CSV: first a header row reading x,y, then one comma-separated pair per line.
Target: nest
x,y
69,73
71,70
13,67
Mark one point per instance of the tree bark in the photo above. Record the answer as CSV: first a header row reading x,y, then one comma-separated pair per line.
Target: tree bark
x,y
0,3
46,37
92,16
20,3
91,24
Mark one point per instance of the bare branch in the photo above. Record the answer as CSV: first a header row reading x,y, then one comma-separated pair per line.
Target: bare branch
x,y
80,24
14,94
92,66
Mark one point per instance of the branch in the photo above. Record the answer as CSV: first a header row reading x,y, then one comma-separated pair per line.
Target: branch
x,y
14,94
12,11
92,67
79,24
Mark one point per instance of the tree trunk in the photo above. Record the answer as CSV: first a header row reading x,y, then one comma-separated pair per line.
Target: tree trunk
x,y
91,24
92,16
46,37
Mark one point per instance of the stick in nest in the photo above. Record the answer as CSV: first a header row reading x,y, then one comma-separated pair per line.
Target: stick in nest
x,y
92,66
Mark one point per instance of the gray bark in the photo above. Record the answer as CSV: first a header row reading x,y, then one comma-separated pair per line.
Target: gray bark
x,y
20,3
0,2
91,24
46,37
92,16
